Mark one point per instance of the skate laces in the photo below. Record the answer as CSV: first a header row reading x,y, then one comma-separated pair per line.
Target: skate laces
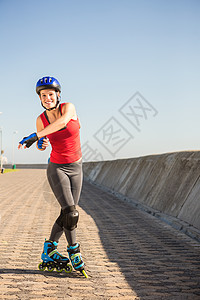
x,y
54,253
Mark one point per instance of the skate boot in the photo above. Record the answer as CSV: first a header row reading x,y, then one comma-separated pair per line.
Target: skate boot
x,y
76,258
53,259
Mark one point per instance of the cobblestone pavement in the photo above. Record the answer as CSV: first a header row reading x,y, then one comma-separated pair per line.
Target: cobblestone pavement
x,y
128,253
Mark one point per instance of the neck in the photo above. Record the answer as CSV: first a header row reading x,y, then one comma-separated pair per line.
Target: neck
x,y
54,112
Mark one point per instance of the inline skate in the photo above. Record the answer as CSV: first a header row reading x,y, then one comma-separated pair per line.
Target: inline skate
x,y
76,258
53,259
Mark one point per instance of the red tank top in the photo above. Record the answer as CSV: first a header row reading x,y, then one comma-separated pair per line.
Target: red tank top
x,y
65,143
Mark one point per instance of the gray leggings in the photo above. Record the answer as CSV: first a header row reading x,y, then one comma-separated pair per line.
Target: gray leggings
x,y
66,183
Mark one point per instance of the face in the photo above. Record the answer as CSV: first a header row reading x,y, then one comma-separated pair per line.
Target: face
x,y
48,98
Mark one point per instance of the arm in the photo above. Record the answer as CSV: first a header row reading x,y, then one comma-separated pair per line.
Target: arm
x,y
40,126
68,113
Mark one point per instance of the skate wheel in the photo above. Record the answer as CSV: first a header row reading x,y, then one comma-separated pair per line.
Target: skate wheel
x,y
84,273
59,269
41,267
68,269
50,267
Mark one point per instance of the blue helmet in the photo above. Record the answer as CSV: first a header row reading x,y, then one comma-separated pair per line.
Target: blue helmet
x,y
47,82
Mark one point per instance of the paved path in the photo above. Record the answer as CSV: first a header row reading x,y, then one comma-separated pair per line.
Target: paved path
x,y
128,253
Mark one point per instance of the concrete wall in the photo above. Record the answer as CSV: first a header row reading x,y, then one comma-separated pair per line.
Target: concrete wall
x,y
167,183
26,166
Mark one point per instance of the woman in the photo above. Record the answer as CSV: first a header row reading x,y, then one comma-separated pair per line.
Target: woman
x,y
59,125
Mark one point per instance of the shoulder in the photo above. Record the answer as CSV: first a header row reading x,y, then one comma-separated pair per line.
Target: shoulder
x,y
69,109
67,106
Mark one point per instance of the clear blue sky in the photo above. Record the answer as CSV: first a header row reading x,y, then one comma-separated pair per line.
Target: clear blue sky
x,y
103,52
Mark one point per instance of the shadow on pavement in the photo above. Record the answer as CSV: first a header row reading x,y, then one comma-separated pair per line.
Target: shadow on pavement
x,y
152,259
38,272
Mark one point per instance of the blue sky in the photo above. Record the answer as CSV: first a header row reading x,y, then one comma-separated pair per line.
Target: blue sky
x,y
104,53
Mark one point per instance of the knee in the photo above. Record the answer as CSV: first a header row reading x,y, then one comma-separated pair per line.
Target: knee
x,y
70,217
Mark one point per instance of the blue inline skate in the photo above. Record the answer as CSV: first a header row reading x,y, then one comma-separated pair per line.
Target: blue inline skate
x,y
76,258
53,259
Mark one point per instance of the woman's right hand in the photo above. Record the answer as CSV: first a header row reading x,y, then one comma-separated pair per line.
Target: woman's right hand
x,y
43,143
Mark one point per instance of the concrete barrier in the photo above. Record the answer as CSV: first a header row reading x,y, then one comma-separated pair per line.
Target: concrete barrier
x,y
167,185
26,166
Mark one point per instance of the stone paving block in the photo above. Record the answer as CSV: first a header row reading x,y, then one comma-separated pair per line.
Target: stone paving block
x,y
8,297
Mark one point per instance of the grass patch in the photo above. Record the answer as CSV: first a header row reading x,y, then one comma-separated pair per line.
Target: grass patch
x,y
9,170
